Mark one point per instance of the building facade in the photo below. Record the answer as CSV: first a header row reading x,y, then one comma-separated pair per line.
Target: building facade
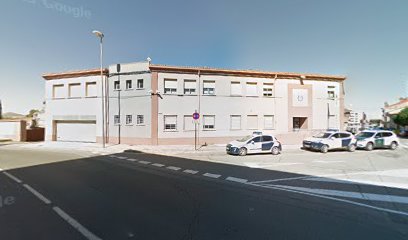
x,y
153,104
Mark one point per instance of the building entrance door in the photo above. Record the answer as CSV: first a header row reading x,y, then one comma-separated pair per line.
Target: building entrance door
x,y
299,123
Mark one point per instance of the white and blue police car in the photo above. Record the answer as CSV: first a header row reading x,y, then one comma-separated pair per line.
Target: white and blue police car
x,y
328,140
370,139
256,143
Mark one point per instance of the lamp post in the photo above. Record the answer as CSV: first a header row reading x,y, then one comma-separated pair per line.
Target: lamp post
x,y
100,36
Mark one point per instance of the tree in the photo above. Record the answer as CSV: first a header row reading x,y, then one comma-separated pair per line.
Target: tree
x,y
402,118
32,112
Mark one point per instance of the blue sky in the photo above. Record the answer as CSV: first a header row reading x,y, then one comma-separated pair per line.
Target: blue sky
x,y
365,40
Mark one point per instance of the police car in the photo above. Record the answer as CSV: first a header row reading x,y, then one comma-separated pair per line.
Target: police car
x,y
370,139
256,143
328,140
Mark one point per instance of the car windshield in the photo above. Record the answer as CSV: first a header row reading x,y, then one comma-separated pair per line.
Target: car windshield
x,y
322,135
246,138
365,135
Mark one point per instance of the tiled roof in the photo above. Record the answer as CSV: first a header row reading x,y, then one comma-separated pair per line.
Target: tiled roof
x,y
255,73
72,74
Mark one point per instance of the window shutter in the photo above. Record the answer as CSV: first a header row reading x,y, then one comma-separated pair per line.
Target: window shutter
x,y
170,83
235,122
251,89
268,122
91,89
190,84
236,88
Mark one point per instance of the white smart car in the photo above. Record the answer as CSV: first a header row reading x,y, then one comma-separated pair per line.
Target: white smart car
x,y
370,139
254,144
328,140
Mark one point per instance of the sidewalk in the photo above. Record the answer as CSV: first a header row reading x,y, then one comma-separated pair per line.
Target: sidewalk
x,y
171,150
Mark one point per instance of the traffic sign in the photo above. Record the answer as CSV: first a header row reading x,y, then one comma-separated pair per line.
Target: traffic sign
x,y
196,116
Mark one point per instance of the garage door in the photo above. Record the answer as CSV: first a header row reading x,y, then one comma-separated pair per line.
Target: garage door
x,y
76,131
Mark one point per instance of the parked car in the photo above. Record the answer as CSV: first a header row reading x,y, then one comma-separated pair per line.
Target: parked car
x,y
328,140
255,143
371,139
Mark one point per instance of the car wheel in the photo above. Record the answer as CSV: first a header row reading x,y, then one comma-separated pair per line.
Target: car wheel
x,y
393,145
242,152
351,148
369,146
324,149
275,151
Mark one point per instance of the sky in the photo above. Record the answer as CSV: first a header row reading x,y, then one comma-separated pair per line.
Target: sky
x,y
366,40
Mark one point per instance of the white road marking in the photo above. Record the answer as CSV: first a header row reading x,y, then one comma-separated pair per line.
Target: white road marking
x,y
75,224
234,179
190,171
112,156
173,168
122,157
12,177
132,159
357,195
333,198
158,165
1,169
211,175
37,194
144,162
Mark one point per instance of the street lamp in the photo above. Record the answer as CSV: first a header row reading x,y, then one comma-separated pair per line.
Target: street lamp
x,y
100,35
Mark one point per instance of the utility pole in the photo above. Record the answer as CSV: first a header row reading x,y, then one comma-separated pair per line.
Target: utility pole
x,y
100,35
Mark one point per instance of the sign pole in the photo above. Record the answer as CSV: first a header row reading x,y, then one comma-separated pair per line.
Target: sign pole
x,y
196,116
195,135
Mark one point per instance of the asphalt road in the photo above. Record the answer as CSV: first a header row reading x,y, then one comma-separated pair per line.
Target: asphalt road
x,y
146,196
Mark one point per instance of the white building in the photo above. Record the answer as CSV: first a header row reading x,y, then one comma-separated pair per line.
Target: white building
x,y
354,121
153,104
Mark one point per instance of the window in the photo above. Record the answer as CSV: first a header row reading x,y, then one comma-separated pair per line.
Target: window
x,y
116,119
129,119
58,91
386,134
251,89
268,89
256,139
235,122
252,121
269,122
188,123
208,122
190,87
236,88
208,87
74,90
129,84
91,89
170,123
336,135
140,83
170,86
267,138
331,92
345,135
116,85
140,119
